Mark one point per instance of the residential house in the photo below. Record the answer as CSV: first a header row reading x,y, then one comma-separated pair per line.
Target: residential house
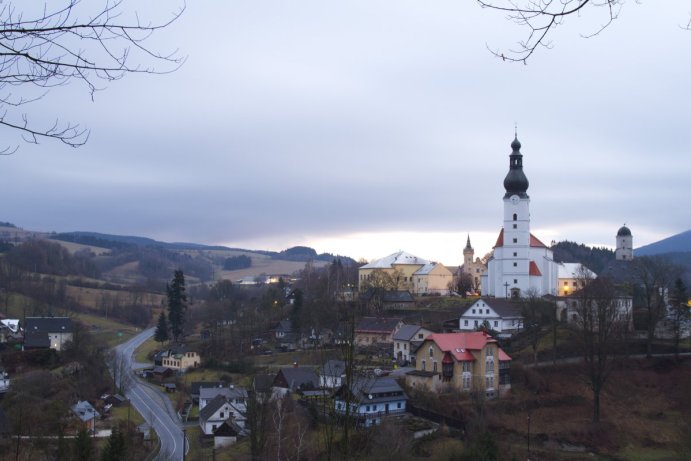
x,y
500,315
179,358
236,396
432,279
461,362
406,340
4,381
571,277
86,414
196,385
294,379
283,328
569,307
54,332
332,374
374,330
216,412
371,400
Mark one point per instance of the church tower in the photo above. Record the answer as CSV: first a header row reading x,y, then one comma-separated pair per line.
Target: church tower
x,y
468,254
520,262
624,251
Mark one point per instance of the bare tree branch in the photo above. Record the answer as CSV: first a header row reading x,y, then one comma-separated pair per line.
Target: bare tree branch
x,y
541,17
65,41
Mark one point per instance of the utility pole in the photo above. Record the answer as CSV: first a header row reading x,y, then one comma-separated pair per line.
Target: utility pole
x,y
184,442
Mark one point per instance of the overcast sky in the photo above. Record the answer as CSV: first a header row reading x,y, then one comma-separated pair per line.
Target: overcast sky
x,y
364,127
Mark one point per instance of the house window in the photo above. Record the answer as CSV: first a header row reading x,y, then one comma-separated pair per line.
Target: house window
x,y
431,352
466,382
405,346
496,323
398,345
490,352
466,367
465,323
367,408
223,415
398,405
434,367
476,323
473,311
486,311
566,284
424,366
419,336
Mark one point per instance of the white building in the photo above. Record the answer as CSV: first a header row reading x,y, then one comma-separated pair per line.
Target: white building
x,y
572,276
624,251
500,315
520,261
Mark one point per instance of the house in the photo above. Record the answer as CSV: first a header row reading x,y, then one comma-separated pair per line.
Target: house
x,y
196,385
371,400
114,400
406,340
397,270
51,332
571,277
86,414
4,381
294,379
461,362
378,299
432,279
236,396
332,374
225,435
162,372
218,411
283,328
500,315
179,358
569,307
373,330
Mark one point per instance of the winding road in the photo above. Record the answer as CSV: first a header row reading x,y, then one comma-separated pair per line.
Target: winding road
x,y
152,403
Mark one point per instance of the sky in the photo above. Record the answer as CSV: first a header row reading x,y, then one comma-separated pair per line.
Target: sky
x,y
365,127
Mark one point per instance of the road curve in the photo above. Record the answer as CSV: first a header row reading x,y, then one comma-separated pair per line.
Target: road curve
x,y
152,404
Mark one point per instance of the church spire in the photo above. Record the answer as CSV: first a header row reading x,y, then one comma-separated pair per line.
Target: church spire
x,y
515,182
467,245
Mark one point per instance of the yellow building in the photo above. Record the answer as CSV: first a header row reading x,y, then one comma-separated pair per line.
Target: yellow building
x,y
405,272
462,362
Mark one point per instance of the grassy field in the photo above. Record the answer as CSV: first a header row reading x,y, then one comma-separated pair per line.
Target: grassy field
x,y
143,351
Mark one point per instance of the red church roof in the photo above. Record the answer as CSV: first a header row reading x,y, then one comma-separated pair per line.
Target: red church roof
x,y
534,241
534,270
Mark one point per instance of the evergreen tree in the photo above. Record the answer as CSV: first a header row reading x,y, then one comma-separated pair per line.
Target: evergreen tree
x,y
83,448
177,304
116,448
161,334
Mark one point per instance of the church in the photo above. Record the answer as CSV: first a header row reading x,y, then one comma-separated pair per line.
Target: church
x,y
520,262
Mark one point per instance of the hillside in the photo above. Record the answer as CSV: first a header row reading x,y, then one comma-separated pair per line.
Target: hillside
x,y
680,243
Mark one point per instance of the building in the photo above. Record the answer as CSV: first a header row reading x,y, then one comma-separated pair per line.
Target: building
x,y
406,340
500,315
475,268
572,276
216,412
47,332
178,358
432,279
462,362
396,270
332,374
371,400
236,396
520,261
86,414
376,330
294,379
380,299
624,251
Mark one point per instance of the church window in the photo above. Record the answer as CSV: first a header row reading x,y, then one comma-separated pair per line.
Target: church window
x,y
515,217
515,264
515,281
515,240
515,226
515,254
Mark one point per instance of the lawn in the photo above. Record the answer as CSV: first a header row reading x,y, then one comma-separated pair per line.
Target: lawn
x,y
143,351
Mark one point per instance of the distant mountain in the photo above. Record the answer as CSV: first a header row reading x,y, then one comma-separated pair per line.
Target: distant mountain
x,y
674,244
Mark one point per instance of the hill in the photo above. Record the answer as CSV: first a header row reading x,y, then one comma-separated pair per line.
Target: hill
x,y
680,243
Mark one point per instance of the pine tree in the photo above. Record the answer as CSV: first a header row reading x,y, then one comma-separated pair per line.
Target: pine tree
x,y
177,304
83,448
116,448
161,334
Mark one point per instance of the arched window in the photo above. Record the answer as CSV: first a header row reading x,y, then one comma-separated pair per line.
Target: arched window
x,y
431,352
515,217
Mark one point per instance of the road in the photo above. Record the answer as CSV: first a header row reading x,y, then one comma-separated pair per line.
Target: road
x,y
152,403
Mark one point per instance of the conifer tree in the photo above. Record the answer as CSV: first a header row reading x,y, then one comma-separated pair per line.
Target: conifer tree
x,y
161,334
177,304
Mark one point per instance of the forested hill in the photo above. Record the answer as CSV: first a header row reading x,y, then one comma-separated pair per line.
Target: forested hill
x,y
595,259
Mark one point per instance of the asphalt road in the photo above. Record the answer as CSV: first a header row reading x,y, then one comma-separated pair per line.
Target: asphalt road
x,y
152,403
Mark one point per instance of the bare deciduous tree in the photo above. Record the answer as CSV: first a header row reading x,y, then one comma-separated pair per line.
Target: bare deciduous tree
x,y
50,44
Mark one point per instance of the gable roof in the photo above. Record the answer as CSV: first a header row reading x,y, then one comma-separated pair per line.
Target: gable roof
x,y
534,270
48,324
380,389
397,258
377,324
196,385
388,296
406,332
84,411
334,368
226,429
534,241
503,307
226,392
429,267
297,378
212,407
459,345
36,339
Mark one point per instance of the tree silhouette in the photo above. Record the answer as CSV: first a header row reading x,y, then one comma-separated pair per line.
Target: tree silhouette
x,y
177,305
